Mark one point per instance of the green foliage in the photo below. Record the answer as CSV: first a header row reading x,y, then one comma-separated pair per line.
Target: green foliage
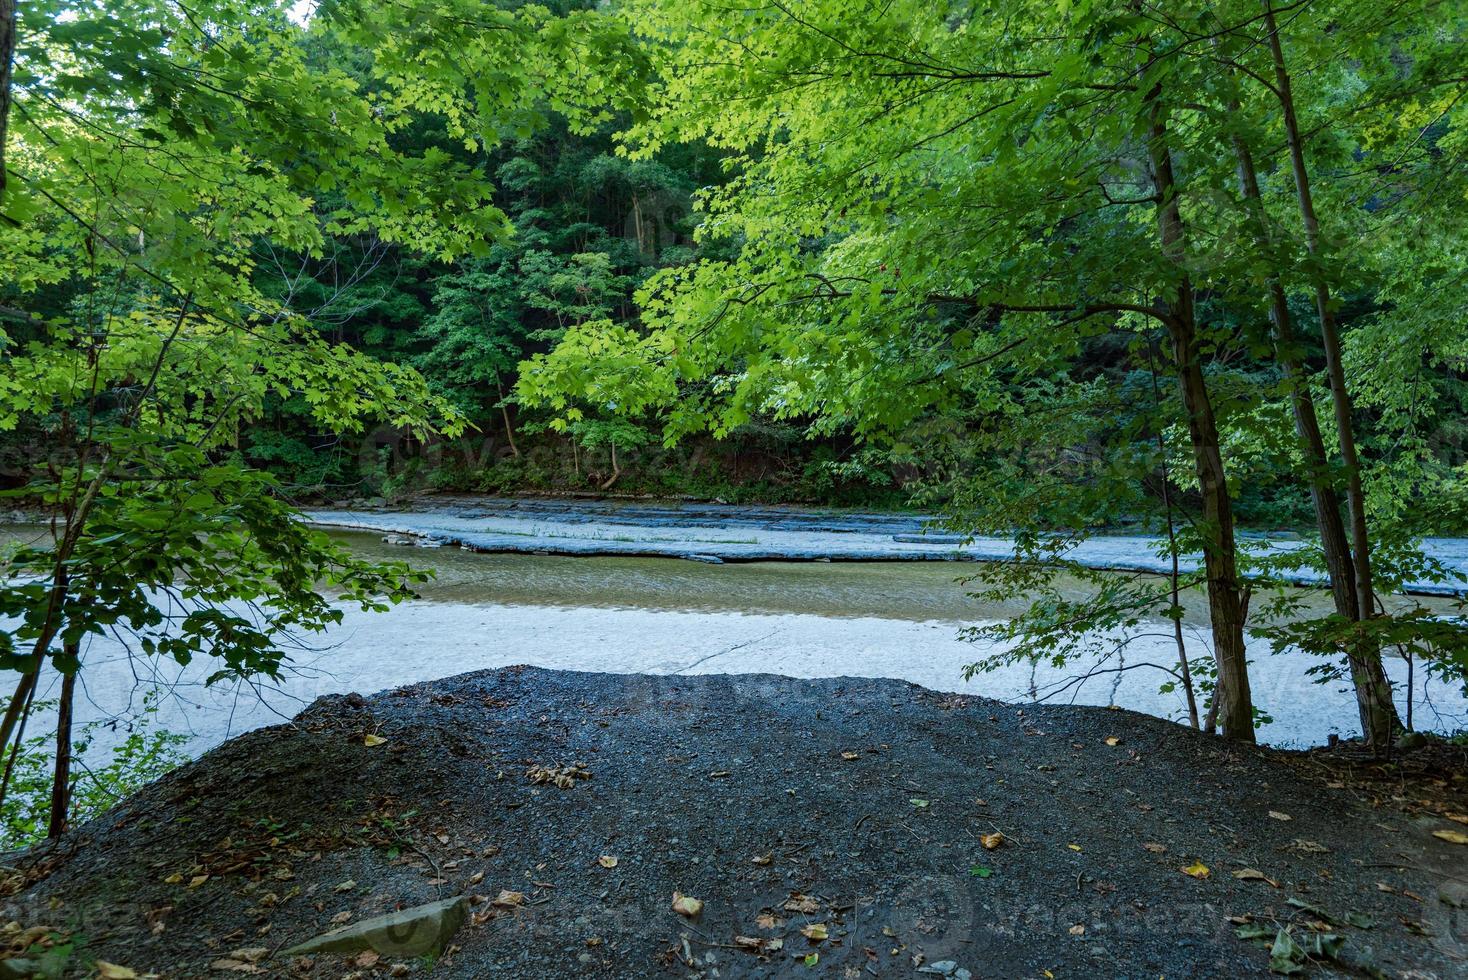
x,y
940,213
165,166
143,755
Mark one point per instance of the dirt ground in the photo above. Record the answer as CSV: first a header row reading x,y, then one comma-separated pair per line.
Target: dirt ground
x,y
830,828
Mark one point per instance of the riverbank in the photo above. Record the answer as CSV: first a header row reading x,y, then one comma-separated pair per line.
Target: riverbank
x,y
717,533
899,620
829,828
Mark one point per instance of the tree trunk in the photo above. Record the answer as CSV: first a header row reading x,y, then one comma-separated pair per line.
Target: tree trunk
x,y
505,414
61,780
7,64
1234,703
1378,715
1373,690
1177,619
616,470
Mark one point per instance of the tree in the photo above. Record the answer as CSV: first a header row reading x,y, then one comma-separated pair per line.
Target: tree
x,y
152,150
935,207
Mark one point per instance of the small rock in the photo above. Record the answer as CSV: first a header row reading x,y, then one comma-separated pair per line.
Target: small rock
x,y
942,968
417,931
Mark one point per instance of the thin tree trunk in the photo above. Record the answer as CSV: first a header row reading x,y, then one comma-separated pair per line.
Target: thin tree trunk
x,y
7,66
25,713
1364,658
61,780
1232,698
505,414
616,470
1379,716
1176,611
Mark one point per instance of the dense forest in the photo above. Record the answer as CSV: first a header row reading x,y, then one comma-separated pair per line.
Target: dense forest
x,y
1047,270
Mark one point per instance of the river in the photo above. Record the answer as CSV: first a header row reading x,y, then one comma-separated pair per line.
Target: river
x,y
639,614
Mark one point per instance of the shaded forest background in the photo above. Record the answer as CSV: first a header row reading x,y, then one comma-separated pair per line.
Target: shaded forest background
x,y
590,227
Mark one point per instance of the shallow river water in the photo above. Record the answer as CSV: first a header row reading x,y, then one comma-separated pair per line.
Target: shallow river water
x,y
661,615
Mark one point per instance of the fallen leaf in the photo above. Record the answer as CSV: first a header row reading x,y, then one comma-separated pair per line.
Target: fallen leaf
x,y
1113,740
197,880
811,959
980,871
476,877
1078,930
719,775
371,740
251,954
345,886
173,879
1074,847
1156,848
752,943
607,861
1451,836
1382,886
851,756
802,903
815,932
235,966
1197,869
920,804
1253,874
341,918
684,905
507,899
1457,817
562,777
111,971
368,959
991,841
765,920
761,859
1302,846
1276,815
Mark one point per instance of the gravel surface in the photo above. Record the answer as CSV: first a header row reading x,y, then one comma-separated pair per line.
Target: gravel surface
x,y
851,808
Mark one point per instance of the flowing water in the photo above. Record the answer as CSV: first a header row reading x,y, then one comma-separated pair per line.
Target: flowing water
x,y
661,615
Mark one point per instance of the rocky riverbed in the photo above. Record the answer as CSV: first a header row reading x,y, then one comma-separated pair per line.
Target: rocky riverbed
x,y
726,533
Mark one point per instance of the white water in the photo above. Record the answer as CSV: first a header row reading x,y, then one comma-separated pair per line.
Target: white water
x,y
660,616
423,640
